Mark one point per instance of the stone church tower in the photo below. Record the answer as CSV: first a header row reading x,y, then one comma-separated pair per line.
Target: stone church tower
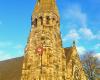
x,y
44,58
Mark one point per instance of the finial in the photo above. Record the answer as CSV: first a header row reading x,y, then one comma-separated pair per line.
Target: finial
x,y
38,2
74,43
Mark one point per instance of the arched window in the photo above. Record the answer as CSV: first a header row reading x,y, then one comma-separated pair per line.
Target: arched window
x,y
41,19
47,19
35,23
53,19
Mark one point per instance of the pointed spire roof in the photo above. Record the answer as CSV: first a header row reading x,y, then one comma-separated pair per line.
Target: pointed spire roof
x,y
46,6
74,43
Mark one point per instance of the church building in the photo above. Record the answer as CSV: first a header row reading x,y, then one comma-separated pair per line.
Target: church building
x,y
45,58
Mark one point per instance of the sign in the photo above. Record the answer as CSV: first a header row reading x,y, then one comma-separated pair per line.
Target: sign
x,y
39,50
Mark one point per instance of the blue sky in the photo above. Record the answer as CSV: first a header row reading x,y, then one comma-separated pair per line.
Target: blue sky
x,y
80,21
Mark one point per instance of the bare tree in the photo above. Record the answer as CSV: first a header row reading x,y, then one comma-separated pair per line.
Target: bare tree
x,y
89,64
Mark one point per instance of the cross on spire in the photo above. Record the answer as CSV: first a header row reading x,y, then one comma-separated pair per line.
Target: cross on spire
x,y
74,43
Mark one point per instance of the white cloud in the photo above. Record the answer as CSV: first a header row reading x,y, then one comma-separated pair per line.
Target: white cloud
x,y
19,46
98,35
82,33
5,44
87,33
72,35
4,56
10,50
97,55
20,50
97,46
81,50
75,14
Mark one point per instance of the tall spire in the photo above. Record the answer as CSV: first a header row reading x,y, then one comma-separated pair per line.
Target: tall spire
x,y
46,6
